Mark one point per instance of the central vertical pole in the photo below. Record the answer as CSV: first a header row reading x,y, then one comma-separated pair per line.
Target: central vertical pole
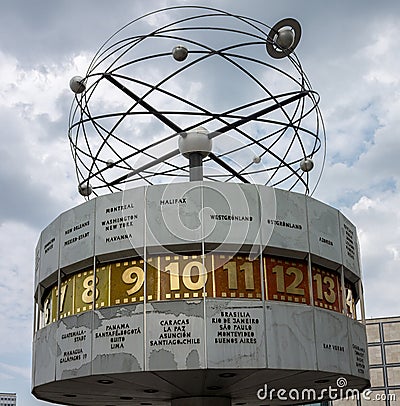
x,y
195,166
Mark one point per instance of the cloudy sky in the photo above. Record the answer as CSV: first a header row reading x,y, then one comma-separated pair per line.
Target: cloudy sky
x,y
349,50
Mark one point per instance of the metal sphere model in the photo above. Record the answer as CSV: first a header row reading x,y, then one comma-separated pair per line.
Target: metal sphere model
x,y
199,271
236,76
85,189
180,53
77,84
285,39
196,140
306,164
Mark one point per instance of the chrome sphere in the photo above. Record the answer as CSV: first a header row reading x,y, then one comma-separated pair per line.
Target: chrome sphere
x,y
85,189
180,53
77,84
195,141
306,165
285,38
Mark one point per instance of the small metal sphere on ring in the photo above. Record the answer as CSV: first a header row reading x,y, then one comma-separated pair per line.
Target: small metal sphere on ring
x,y
180,53
77,84
306,165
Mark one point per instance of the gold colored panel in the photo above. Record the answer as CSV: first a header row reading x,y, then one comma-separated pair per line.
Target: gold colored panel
x,y
85,290
152,279
326,289
180,275
103,286
287,280
237,275
176,277
127,282
66,299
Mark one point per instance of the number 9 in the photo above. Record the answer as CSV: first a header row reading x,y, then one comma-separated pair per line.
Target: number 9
x,y
133,275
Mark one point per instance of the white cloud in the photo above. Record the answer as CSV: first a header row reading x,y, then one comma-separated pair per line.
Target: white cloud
x,y
36,89
15,371
378,222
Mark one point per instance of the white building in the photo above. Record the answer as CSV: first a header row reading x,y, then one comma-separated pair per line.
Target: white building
x,y
8,399
383,336
384,358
